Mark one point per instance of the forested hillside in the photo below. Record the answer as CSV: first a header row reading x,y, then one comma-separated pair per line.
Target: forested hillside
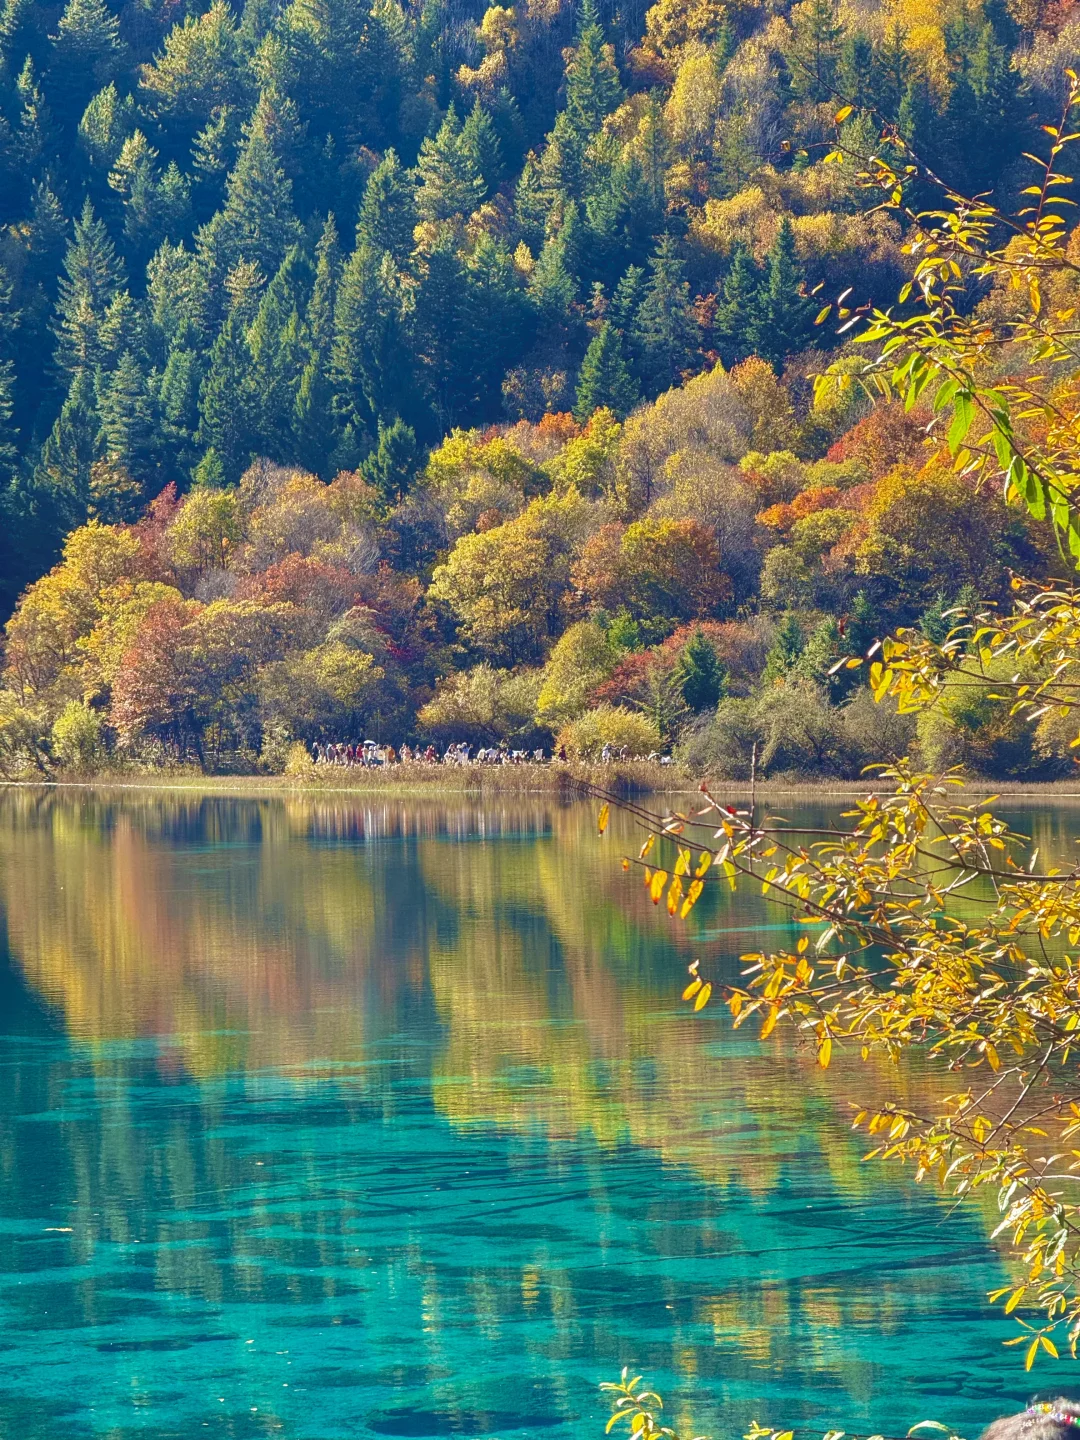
x,y
367,338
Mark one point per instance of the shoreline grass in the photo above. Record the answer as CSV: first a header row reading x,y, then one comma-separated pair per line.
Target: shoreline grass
x,y
569,782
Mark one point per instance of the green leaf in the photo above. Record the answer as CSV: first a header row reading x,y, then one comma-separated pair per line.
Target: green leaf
x,y
963,415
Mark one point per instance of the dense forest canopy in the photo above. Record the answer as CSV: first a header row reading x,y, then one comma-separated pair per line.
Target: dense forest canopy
x,y
447,370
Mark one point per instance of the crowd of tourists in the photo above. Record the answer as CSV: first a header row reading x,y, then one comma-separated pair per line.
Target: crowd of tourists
x,y
372,754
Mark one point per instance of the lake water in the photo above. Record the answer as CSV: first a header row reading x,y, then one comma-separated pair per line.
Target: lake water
x,y
353,1117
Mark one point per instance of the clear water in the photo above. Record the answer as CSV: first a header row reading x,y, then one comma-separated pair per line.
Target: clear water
x,y
346,1118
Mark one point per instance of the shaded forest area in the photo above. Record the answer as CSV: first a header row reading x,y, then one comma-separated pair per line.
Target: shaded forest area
x,y
446,372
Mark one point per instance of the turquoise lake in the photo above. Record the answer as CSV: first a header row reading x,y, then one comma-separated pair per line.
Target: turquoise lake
x,y
351,1117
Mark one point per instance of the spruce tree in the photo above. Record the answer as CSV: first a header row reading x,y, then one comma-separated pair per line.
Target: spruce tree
x,y
93,280
129,426
391,467
666,330
814,55
178,402
86,54
388,213
278,355
699,673
786,649
480,140
371,362
258,219
225,401
450,180
593,89
739,315
605,379
787,312
63,471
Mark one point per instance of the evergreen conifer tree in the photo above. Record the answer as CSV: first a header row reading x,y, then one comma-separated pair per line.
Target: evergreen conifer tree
x,y
699,673
258,220
814,56
480,140
225,401
739,315
86,54
279,355
450,180
391,467
665,328
787,646
593,89
93,280
370,362
605,380
129,430
787,323
388,213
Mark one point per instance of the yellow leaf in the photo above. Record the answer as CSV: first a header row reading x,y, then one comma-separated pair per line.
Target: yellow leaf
x,y
843,113
1032,1351
691,989
674,895
649,843
656,888
625,863
770,1022
602,818
1048,1345
704,863
696,887
703,996
824,1054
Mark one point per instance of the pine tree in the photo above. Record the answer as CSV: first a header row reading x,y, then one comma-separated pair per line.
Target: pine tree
x,y
855,72
129,428
627,297
35,137
87,53
210,472
391,467
739,315
699,673
63,471
258,219
496,321
605,380
440,342
370,363
178,402
94,278
891,71
787,313
786,649
388,213
480,140
450,180
593,89
106,123
312,418
279,355
814,55
224,401
9,322
665,328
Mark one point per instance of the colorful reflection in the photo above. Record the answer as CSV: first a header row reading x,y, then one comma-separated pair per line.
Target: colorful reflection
x,y
343,1117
